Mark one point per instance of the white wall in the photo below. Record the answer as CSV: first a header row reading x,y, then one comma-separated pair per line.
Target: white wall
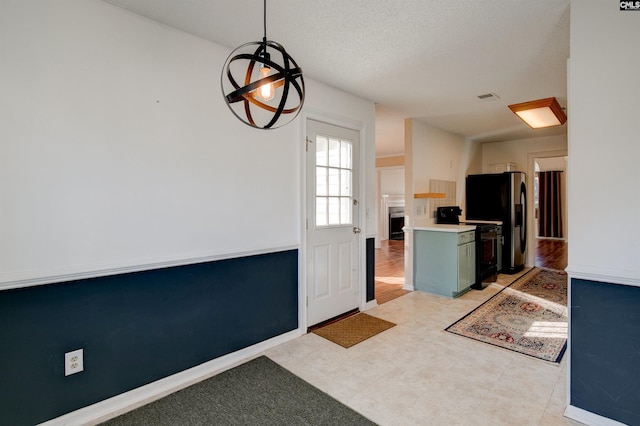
x,y
519,151
604,135
474,159
391,180
552,164
436,155
430,153
117,148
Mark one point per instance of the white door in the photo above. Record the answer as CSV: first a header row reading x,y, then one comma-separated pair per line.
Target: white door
x,y
333,235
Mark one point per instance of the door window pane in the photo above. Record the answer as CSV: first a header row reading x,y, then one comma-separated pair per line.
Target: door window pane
x,y
345,210
322,151
321,181
334,211
334,182
334,176
334,153
345,155
345,183
321,211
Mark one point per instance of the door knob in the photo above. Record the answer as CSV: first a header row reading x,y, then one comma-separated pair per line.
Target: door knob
x,y
356,230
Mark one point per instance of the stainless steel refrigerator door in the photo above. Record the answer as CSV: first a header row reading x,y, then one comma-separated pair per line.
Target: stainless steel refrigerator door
x,y
518,219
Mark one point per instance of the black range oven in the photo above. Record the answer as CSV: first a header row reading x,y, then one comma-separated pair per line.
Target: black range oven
x,y
486,245
486,254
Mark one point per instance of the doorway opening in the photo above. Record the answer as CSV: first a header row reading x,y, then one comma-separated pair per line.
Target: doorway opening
x,y
389,256
550,223
389,267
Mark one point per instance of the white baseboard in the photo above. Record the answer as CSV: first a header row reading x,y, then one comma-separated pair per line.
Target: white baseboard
x,y
589,418
120,404
590,273
370,304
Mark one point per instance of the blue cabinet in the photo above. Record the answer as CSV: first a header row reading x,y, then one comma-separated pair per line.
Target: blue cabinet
x,y
444,262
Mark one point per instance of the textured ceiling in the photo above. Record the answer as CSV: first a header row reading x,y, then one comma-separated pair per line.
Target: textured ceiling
x,y
423,59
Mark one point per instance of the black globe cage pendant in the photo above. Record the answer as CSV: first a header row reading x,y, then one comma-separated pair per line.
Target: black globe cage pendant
x,y
262,85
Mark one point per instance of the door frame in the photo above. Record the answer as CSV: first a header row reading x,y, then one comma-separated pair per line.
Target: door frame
x,y
359,127
530,259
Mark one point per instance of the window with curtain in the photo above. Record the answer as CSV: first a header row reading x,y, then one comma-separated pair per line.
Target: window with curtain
x,y
550,204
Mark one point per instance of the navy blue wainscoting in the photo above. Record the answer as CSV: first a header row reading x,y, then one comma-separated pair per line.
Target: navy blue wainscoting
x,y
135,328
605,349
371,269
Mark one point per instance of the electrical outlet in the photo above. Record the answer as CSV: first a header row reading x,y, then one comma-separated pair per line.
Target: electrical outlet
x,y
73,362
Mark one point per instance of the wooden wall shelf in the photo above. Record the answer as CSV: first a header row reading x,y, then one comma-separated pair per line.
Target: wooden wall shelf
x,y
429,195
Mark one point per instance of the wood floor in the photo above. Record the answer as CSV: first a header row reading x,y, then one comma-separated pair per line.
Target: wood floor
x,y
389,269
551,254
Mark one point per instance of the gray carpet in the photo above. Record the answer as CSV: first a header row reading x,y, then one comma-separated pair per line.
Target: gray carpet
x,y
259,392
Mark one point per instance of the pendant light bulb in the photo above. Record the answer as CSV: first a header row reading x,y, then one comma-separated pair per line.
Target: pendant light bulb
x,y
266,92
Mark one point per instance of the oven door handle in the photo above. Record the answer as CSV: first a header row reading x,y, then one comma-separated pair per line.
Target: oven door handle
x,y
490,235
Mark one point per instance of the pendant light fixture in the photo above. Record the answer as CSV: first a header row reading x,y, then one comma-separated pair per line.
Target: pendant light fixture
x,y
262,85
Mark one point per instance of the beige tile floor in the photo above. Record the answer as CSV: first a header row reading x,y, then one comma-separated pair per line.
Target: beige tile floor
x,y
417,374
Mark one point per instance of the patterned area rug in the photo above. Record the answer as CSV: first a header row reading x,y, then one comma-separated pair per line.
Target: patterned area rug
x,y
353,330
529,316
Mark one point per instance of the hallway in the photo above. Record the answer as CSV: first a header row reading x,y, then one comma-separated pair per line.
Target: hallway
x,y
389,271
551,253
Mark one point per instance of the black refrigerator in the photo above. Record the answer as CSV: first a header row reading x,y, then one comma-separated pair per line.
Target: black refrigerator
x,y
503,197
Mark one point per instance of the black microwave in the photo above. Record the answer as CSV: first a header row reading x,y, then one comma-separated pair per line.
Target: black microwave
x,y
448,215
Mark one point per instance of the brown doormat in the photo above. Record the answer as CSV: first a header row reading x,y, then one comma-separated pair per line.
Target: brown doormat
x,y
353,330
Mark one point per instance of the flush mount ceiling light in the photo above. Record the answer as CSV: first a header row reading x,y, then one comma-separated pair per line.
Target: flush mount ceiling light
x,y
541,113
262,85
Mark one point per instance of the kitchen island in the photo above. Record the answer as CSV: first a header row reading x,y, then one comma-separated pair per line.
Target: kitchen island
x,y
444,258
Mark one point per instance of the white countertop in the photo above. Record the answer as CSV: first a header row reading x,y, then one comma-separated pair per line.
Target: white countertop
x,y
491,222
445,228
428,225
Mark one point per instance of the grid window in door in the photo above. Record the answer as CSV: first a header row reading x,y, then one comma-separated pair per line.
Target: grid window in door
x,y
334,176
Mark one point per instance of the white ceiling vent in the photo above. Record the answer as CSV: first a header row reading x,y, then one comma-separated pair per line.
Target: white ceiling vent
x,y
488,96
